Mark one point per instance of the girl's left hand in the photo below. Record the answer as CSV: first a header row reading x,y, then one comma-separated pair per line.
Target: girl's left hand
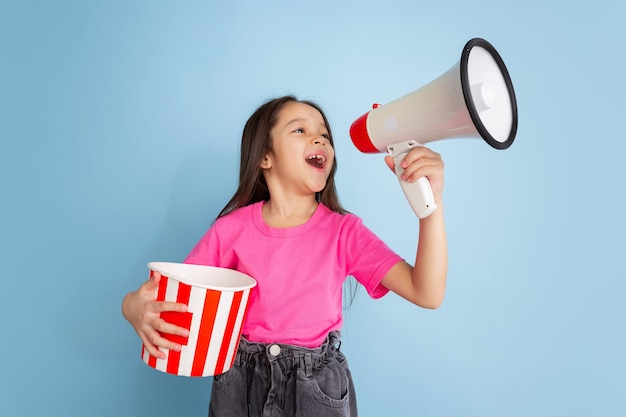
x,y
422,162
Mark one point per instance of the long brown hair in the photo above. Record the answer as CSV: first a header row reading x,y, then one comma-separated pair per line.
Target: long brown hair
x,y
256,142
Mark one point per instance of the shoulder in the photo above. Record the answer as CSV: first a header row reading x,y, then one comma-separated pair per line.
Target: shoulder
x,y
352,229
336,215
342,218
237,216
346,224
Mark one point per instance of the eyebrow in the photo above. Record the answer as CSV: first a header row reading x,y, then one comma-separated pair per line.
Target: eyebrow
x,y
301,120
296,120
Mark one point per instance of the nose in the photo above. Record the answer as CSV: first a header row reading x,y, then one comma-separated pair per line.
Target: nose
x,y
320,140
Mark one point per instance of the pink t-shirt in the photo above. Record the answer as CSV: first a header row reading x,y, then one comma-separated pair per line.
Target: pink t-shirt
x,y
299,270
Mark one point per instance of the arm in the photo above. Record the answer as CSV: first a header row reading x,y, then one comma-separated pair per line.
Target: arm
x,y
425,283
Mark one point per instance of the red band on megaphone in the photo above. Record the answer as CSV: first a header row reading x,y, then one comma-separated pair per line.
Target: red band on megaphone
x,y
360,137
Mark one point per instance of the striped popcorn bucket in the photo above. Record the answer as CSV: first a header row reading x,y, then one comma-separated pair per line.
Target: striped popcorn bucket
x,y
217,300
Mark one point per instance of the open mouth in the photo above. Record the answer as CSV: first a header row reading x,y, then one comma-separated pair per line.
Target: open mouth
x,y
316,161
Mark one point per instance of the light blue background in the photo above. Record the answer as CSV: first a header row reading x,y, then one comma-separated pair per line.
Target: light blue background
x,y
119,129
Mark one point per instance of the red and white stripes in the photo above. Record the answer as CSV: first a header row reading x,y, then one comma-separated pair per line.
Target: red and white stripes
x,y
215,321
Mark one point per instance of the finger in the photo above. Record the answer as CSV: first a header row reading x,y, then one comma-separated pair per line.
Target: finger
x,y
173,329
161,306
157,336
430,168
160,338
159,321
418,153
151,317
152,348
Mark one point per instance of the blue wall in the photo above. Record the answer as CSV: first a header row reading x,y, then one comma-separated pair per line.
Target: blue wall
x,y
119,130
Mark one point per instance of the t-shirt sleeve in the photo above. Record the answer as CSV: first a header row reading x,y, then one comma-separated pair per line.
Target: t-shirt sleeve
x,y
206,251
368,258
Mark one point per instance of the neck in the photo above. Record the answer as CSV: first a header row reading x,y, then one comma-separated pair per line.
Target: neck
x,y
282,213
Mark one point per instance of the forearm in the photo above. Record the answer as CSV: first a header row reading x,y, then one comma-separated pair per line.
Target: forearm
x,y
431,260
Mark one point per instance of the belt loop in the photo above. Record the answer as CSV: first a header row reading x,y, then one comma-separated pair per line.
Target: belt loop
x,y
308,364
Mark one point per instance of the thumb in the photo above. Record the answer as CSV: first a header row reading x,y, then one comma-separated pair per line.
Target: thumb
x,y
153,282
390,163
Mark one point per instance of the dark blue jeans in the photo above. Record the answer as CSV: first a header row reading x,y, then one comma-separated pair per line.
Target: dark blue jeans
x,y
272,380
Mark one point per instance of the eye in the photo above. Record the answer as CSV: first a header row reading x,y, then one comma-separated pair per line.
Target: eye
x,y
298,130
326,136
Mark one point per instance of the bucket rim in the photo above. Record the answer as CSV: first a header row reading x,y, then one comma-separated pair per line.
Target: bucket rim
x,y
167,269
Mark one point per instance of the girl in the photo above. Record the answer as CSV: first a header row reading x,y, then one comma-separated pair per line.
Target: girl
x,y
284,226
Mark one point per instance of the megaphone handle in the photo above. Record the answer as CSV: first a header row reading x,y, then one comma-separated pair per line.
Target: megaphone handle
x,y
418,193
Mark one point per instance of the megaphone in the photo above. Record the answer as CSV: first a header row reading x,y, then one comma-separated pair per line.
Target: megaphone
x,y
474,98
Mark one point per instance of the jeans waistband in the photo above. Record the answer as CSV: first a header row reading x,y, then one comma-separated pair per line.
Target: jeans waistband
x,y
311,358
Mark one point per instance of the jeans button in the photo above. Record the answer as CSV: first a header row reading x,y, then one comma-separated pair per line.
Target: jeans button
x,y
274,350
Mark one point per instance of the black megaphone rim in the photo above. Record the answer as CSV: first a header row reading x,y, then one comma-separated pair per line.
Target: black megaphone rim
x,y
467,94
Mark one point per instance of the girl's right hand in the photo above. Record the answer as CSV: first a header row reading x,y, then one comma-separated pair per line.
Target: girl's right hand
x,y
143,312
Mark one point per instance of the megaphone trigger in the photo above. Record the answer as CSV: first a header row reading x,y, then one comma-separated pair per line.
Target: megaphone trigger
x,y
419,193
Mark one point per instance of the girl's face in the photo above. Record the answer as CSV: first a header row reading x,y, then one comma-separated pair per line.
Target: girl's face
x,y
302,156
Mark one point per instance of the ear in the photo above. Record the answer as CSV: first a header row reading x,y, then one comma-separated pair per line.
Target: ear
x,y
266,162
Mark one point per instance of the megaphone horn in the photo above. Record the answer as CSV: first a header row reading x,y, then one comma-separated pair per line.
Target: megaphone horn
x,y
474,98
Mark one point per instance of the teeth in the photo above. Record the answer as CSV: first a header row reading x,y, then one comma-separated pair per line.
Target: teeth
x,y
319,157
